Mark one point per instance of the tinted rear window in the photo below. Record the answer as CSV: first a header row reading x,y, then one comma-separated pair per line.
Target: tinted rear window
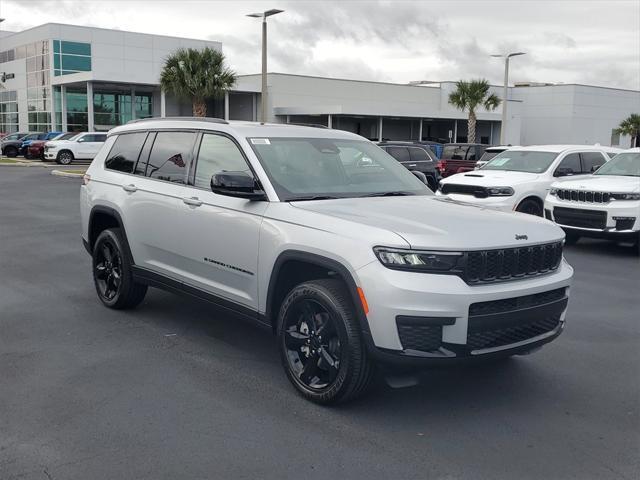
x,y
125,152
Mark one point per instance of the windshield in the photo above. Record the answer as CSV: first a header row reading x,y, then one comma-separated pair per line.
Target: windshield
x,y
73,137
623,164
304,168
521,161
65,136
488,155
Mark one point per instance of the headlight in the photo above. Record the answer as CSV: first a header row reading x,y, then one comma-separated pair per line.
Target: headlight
x,y
554,192
499,191
625,196
417,260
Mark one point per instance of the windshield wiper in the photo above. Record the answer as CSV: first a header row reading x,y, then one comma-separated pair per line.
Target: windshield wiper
x,y
389,194
312,197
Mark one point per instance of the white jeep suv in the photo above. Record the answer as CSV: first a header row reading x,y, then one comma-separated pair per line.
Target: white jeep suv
x,y
84,146
326,239
519,178
603,205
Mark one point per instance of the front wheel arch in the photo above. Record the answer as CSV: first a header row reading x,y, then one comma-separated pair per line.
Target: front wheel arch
x,y
532,198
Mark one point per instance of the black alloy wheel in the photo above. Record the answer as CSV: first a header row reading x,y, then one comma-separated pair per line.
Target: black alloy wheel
x,y
530,207
108,270
312,344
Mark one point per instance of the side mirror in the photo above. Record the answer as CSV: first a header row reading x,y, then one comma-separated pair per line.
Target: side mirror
x,y
237,184
421,176
563,172
595,167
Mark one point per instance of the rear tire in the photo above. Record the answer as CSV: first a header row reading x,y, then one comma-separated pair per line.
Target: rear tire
x,y
320,343
112,274
530,206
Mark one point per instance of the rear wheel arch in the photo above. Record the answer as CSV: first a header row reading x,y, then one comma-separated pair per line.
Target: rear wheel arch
x,y
100,219
293,267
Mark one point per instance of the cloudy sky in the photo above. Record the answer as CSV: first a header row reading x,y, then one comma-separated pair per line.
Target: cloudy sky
x,y
587,41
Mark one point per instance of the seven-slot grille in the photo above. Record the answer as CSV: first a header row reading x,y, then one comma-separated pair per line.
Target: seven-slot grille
x,y
509,263
582,196
574,217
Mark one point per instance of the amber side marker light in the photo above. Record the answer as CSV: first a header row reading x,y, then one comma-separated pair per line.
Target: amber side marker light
x,y
363,300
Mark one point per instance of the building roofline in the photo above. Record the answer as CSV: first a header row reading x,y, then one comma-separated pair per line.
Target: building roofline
x,y
577,85
110,30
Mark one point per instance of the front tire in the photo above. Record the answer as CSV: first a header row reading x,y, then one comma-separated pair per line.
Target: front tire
x,y
64,158
321,347
112,273
530,206
11,152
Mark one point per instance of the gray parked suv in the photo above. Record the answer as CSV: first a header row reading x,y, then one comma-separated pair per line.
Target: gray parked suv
x,y
324,238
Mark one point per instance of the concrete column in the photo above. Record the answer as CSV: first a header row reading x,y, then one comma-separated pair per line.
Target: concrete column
x,y
63,106
379,129
330,121
90,119
163,104
420,130
133,103
226,105
455,131
491,134
288,118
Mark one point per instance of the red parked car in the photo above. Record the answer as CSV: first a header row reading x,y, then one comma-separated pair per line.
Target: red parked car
x,y
459,157
36,148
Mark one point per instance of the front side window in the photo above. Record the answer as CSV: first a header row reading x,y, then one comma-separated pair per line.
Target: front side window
x,y
125,152
570,164
624,164
522,161
217,154
591,161
171,156
304,168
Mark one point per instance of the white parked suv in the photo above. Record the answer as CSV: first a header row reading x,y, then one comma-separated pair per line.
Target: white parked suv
x,y
84,146
603,205
519,179
323,237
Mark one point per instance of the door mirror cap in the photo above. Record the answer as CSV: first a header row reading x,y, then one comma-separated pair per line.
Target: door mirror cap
x,y
237,184
563,172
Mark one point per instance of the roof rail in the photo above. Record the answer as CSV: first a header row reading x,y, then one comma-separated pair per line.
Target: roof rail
x,y
193,119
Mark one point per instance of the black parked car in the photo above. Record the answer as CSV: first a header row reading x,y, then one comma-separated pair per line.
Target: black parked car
x,y
415,157
10,145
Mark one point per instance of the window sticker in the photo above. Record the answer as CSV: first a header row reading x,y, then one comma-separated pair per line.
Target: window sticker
x,y
260,141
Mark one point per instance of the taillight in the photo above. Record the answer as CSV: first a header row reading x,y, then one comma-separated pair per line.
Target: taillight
x,y
85,179
441,165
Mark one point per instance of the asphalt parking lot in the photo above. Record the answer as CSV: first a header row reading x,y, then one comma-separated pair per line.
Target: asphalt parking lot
x,y
174,389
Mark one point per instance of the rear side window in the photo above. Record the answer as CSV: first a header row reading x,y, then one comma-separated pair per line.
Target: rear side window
x,y
217,154
125,152
591,161
171,156
399,153
419,155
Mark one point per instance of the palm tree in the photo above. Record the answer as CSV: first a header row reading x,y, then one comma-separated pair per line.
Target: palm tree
x,y
469,96
630,126
197,75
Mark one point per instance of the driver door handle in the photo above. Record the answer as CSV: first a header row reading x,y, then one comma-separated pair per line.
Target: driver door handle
x,y
192,201
129,188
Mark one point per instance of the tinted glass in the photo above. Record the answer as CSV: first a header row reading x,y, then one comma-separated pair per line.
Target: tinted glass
x,y
171,156
624,164
399,153
591,160
471,154
418,155
571,161
454,152
125,152
218,154
302,168
488,155
522,161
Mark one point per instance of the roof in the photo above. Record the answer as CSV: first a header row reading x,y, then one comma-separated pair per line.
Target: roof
x,y
239,128
559,148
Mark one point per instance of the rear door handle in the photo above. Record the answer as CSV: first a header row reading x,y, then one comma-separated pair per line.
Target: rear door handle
x,y
192,201
412,165
129,188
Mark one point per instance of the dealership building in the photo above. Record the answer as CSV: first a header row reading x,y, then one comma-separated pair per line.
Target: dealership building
x,y
73,78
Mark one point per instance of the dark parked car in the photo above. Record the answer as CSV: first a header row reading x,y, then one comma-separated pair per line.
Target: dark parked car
x,y
415,157
459,157
11,143
29,139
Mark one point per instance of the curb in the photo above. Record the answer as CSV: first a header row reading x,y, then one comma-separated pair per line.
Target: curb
x,y
61,173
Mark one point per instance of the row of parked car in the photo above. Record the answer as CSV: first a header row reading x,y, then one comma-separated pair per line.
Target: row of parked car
x,y
60,147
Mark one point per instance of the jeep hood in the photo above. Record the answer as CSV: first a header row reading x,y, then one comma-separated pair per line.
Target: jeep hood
x,y
432,222
491,178
602,183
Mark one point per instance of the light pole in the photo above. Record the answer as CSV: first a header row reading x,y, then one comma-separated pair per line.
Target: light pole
x,y
264,15
503,127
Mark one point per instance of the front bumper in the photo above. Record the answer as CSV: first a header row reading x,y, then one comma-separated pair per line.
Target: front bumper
x,y
615,210
446,308
50,154
503,204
